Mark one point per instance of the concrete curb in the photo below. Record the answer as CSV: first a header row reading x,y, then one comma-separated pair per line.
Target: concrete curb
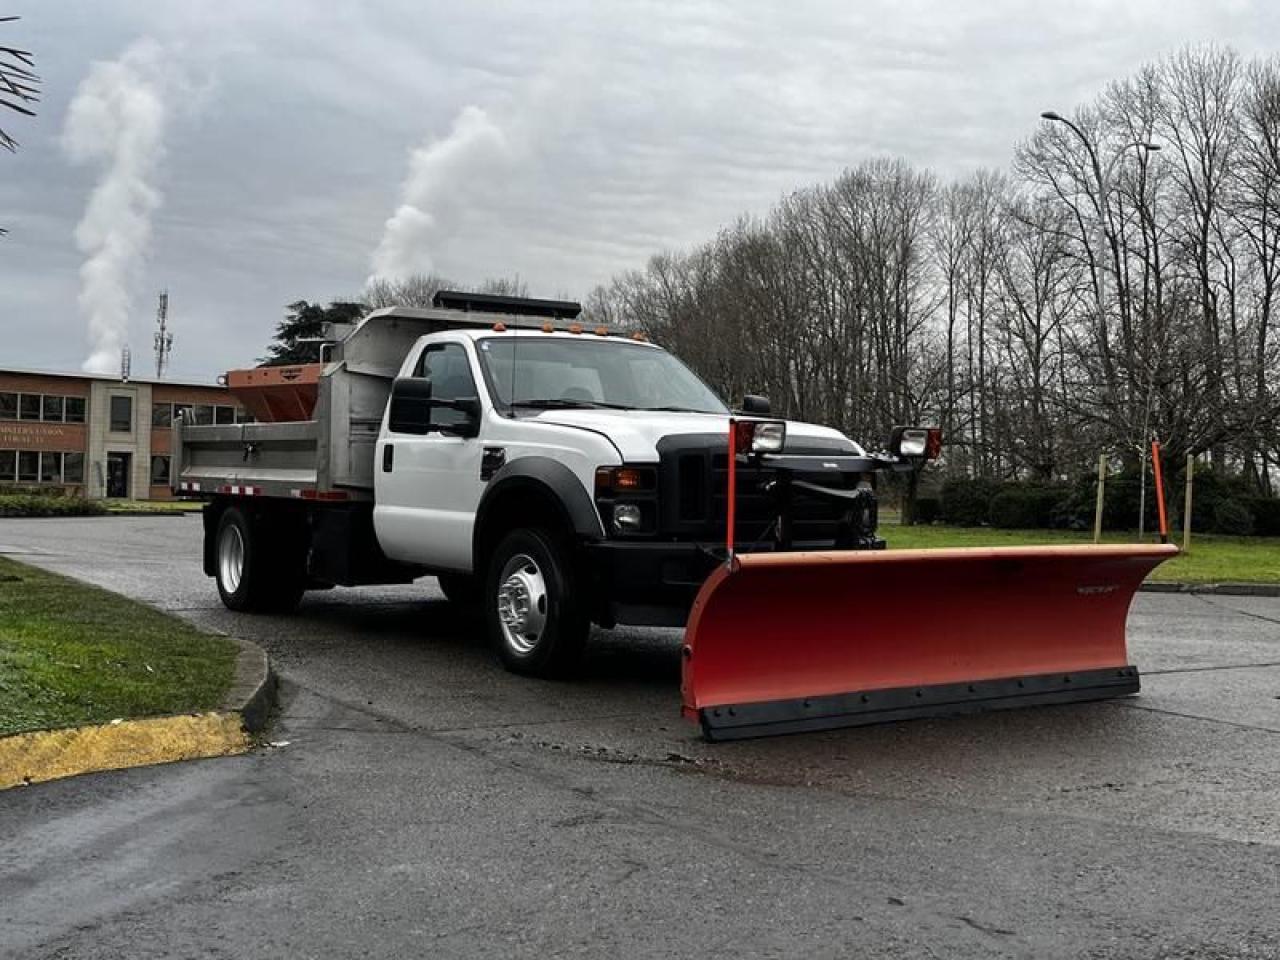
x,y
1221,589
41,755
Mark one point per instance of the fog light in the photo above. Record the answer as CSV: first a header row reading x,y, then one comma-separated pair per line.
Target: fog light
x,y
626,518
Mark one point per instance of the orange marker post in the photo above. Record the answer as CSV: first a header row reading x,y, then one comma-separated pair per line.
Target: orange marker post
x,y
1159,478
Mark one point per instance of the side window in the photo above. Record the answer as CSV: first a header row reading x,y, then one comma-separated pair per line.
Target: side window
x,y
447,368
74,409
121,414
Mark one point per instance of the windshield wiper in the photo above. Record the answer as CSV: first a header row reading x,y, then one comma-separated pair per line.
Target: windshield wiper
x,y
676,410
563,403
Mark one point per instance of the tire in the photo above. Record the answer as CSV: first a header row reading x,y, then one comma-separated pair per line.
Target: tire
x,y
532,608
256,572
460,589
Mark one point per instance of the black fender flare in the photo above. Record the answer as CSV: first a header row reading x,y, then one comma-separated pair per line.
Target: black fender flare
x,y
548,476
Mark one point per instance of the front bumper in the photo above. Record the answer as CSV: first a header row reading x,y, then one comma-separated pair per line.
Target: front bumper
x,y
654,584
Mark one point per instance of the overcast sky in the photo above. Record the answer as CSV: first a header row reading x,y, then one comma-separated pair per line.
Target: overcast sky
x,y
572,139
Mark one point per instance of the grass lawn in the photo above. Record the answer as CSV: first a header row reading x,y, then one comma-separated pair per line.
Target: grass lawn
x,y
72,654
152,506
1212,559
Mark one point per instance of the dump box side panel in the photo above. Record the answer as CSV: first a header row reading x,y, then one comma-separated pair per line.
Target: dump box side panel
x,y
277,458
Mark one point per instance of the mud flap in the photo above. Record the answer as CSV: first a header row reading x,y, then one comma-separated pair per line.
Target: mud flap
x,y
789,642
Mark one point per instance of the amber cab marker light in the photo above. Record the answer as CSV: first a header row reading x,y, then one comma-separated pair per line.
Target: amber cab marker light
x,y
548,328
500,327
602,331
575,328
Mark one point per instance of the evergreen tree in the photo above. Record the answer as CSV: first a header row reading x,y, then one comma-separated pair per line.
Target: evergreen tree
x,y
305,322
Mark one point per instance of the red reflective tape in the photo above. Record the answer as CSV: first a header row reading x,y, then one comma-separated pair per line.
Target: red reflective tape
x,y
313,494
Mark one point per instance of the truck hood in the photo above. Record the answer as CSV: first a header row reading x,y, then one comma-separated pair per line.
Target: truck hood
x,y
636,432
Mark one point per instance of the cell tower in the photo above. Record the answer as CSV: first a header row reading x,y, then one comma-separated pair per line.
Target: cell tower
x,y
163,338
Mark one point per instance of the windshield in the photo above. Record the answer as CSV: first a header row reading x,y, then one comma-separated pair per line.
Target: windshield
x,y
556,372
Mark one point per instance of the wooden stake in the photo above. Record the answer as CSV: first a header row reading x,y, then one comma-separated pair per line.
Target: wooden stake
x,y
1097,510
1186,509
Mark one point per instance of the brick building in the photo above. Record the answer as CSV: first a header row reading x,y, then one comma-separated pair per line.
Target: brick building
x,y
97,435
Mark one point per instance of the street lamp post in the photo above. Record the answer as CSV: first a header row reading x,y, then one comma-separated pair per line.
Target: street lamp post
x,y
1103,180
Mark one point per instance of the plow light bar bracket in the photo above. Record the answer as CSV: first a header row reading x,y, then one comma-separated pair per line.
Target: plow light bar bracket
x,y
916,443
759,436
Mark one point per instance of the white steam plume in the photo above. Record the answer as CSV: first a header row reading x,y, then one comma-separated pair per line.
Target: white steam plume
x,y
433,194
116,122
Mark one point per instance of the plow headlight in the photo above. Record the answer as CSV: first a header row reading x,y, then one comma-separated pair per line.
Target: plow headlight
x,y
759,436
916,443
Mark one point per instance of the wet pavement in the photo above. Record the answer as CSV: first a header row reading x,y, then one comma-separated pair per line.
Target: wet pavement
x,y
426,803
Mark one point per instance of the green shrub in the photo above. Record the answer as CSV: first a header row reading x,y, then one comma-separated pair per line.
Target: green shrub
x,y
30,505
967,502
17,489
1232,517
928,510
1266,516
1026,506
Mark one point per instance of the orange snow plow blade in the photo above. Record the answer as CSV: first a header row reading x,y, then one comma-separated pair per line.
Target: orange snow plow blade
x,y
790,642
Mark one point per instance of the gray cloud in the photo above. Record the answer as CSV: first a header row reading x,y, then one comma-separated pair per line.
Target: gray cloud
x,y
631,127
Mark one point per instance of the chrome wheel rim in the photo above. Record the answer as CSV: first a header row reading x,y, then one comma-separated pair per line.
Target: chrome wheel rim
x,y
522,603
231,558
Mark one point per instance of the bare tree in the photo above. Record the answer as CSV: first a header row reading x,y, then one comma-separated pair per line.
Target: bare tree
x,y
19,88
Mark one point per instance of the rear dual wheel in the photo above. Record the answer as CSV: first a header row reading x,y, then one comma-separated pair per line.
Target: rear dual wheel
x,y
534,612
259,566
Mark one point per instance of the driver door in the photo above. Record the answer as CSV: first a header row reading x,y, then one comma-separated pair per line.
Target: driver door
x,y
427,486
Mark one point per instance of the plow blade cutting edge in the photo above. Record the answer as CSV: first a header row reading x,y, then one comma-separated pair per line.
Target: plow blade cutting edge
x,y
789,642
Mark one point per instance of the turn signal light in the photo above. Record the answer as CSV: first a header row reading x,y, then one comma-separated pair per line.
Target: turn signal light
x,y
623,479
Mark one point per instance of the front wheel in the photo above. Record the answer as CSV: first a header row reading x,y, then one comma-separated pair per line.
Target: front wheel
x,y
534,615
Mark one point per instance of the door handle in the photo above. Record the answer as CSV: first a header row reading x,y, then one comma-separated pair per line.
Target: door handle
x,y
388,457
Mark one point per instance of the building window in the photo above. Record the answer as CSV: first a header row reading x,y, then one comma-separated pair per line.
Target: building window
x,y
203,415
182,410
160,471
29,406
51,410
50,467
73,408
121,414
28,466
162,414
224,414
244,416
8,406
73,468
8,466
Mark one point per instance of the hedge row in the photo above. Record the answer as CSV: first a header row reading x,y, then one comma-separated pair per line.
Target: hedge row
x,y
1219,505
33,505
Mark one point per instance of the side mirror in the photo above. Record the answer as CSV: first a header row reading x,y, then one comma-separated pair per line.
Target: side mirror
x,y
466,425
410,406
415,411
753,403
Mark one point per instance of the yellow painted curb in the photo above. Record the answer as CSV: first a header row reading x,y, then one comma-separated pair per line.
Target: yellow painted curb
x,y
51,754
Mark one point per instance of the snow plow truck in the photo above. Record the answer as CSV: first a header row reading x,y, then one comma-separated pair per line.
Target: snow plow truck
x,y
557,476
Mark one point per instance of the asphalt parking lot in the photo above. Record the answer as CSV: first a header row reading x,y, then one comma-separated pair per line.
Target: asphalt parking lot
x,y
421,802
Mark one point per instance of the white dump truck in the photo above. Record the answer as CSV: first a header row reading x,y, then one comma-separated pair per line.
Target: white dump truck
x,y
558,476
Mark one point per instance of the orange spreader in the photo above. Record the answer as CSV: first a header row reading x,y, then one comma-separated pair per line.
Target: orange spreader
x,y
786,642
277,394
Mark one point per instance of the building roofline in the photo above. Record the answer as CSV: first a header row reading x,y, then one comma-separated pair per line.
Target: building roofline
x,y
65,375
